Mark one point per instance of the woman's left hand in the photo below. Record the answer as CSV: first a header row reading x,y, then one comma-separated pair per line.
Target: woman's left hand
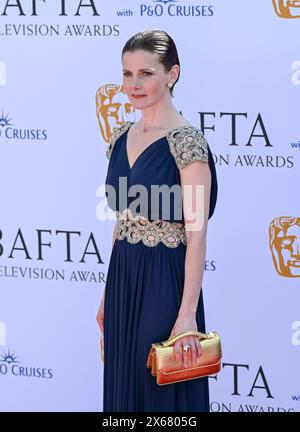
x,y
184,323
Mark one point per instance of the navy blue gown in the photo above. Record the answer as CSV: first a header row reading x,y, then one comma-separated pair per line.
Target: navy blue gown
x,y
143,293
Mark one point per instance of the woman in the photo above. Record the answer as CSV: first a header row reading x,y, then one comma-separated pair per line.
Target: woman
x,y
153,286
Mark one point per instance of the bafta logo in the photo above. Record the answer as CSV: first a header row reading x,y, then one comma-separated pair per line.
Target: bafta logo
x,y
112,109
284,242
287,8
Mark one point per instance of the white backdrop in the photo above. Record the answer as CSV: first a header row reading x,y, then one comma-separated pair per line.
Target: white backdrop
x,y
240,82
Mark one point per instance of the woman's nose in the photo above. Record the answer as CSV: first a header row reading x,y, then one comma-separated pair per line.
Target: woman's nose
x,y
136,82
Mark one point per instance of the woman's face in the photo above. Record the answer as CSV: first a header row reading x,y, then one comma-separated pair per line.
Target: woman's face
x,y
144,78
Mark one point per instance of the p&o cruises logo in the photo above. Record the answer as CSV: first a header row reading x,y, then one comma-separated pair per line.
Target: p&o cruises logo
x,y
175,9
10,131
287,8
9,365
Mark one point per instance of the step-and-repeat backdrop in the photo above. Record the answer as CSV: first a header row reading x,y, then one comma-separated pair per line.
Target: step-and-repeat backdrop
x,y
60,97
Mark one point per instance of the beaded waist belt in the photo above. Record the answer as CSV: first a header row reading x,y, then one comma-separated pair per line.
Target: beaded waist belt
x,y
139,228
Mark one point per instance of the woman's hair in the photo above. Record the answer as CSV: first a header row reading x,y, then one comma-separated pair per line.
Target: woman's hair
x,y
157,42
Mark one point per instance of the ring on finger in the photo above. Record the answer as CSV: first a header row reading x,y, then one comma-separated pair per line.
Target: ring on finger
x,y
187,348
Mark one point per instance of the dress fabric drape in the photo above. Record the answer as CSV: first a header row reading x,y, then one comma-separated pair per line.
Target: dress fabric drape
x,y
143,292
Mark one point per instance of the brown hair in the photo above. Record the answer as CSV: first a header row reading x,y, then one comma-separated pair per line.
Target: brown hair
x,y
157,42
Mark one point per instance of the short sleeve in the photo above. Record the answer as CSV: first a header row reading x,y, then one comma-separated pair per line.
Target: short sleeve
x,y
117,132
187,144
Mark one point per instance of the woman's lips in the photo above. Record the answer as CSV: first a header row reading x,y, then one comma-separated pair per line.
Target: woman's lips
x,y
138,96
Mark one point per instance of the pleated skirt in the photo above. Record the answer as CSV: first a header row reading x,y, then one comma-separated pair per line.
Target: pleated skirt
x,y
143,293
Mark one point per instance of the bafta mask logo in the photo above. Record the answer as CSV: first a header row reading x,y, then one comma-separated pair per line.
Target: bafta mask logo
x,y
112,109
284,242
287,8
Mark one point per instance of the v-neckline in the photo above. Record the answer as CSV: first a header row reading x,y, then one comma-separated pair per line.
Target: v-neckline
x,y
141,154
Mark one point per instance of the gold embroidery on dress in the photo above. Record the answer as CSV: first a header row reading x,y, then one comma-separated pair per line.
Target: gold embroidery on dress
x,y
138,228
116,135
187,143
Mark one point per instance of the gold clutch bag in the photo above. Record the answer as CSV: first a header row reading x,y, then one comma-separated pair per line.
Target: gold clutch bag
x,y
167,370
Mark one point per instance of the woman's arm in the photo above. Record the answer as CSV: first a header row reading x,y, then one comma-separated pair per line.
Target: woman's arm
x,y
196,186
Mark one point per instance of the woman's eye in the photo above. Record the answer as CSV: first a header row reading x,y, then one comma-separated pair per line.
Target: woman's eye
x,y
146,73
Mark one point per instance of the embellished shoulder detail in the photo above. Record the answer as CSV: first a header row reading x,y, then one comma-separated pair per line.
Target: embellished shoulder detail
x,y
117,132
187,143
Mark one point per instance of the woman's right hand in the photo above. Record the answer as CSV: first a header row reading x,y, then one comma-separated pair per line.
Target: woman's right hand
x,y
100,316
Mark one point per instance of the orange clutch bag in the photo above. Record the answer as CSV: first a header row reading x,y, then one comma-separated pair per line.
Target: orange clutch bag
x,y
167,370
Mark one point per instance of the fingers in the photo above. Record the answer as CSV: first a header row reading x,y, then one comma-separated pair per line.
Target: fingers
x,y
187,358
193,354
177,352
198,347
